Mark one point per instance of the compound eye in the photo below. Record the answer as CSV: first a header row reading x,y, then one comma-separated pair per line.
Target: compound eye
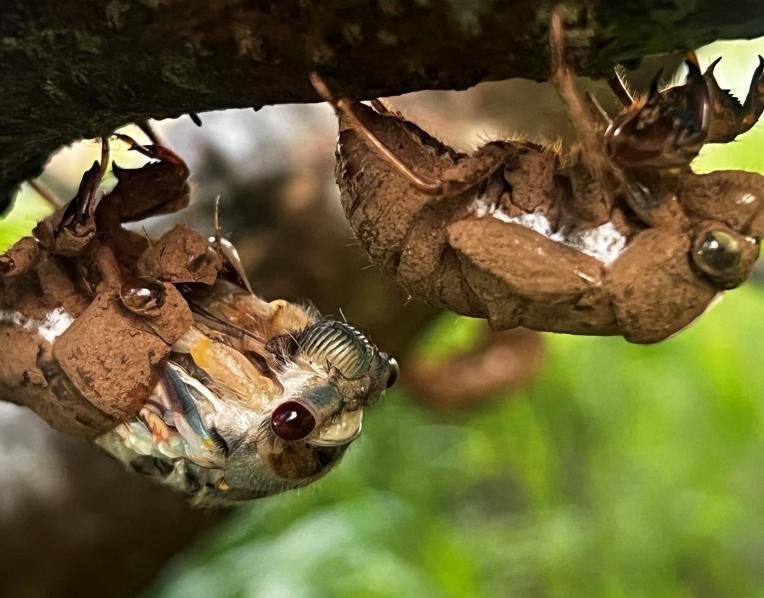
x,y
717,252
394,371
292,421
143,296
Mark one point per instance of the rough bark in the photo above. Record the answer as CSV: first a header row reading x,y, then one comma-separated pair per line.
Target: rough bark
x,y
79,68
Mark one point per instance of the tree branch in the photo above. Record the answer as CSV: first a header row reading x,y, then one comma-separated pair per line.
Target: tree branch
x,y
80,68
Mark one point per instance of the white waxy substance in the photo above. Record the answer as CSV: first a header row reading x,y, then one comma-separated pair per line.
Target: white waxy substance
x,y
603,242
52,325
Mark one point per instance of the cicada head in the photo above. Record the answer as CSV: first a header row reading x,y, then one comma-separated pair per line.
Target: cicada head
x,y
258,398
727,210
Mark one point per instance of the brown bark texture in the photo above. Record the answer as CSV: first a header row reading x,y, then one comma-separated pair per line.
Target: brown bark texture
x,y
76,69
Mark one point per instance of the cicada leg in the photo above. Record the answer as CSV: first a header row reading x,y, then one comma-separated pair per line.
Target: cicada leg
x,y
157,188
589,134
730,118
46,194
71,228
346,108
228,252
667,130
598,110
754,102
469,173
596,203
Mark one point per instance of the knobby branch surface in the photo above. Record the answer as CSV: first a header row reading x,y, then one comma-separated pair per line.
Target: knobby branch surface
x,y
76,69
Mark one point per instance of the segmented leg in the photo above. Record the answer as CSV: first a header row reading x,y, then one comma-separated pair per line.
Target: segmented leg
x,y
730,118
70,229
345,107
667,130
589,134
381,108
754,101
468,173
598,110
228,252
148,130
156,188
156,152
594,177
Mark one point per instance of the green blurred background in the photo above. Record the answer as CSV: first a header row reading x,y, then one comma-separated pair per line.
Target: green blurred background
x,y
621,471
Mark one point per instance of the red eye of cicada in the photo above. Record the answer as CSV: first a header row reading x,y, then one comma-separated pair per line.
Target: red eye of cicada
x,y
292,420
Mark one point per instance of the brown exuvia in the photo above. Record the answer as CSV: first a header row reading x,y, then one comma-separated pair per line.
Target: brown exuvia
x,y
620,239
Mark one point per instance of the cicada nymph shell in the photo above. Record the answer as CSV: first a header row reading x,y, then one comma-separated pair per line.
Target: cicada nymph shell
x,y
618,238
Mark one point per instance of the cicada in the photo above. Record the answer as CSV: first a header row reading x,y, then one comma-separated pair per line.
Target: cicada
x,y
618,237
160,352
